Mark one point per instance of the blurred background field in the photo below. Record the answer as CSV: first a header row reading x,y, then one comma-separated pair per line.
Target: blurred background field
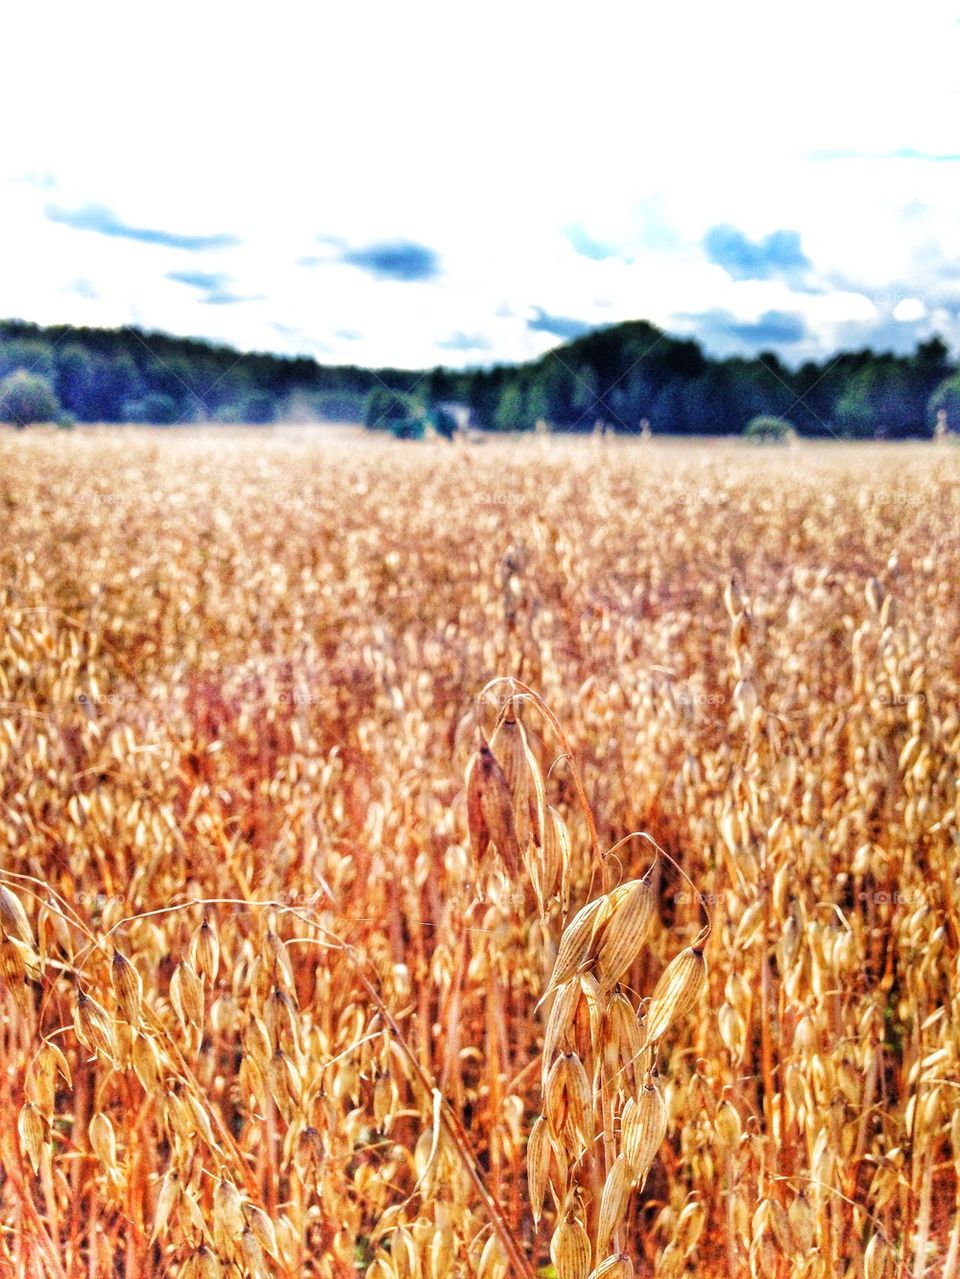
x,y
242,668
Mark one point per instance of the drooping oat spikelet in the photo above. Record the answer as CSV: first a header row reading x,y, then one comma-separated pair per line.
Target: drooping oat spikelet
x,y
570,1249
208,1263
613,1202
644,1129
186,992
310,1154
509,749
41,1083
441,1252
127,986
92,1025
204,952
167,1200
254,1262
228,1221
627,1036
263,1229
13,918
145,1058
579,1097
616,1267
576,943
32,1128
624,932
875,1258
285,1086
13,971
560,1022
493,1263
800,1216
490,810
678,989
103,1141
555,856
728,1125
538,1166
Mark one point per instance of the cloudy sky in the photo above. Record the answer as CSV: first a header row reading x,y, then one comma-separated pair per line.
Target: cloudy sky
x,y
419,183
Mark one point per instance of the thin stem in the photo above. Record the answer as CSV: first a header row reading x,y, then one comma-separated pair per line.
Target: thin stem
x,y
518,1261
704,933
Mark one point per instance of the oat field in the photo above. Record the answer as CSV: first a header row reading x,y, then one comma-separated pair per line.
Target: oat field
x,y
424,861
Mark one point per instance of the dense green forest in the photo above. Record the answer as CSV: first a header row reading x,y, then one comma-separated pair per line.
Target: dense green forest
x,y
620,376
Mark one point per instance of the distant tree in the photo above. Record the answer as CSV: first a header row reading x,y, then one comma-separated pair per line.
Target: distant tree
x,y
631,397
668,411
115,381
683,359
707,402
483,394
855,411
557,384
443,422
177,376
257,408
767,427
408,428
74,379
812,407
333,406
33,355
536,404
27,397
750,389
384,407
621,373
509,415
154,409
897,411
395,411
586,403
933,355
946,398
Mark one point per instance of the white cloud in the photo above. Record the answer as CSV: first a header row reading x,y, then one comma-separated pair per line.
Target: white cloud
x,y
909,309
483,134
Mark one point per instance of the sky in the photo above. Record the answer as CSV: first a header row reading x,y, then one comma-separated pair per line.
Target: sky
x,y
455,183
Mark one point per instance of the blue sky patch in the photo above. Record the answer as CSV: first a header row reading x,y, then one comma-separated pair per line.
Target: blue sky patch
x,y
95,217
777,254
395,260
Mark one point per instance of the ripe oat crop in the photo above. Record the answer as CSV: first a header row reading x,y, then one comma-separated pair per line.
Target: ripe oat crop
x,y
433,861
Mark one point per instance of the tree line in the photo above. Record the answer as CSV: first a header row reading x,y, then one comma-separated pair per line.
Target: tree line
x,y
628,377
